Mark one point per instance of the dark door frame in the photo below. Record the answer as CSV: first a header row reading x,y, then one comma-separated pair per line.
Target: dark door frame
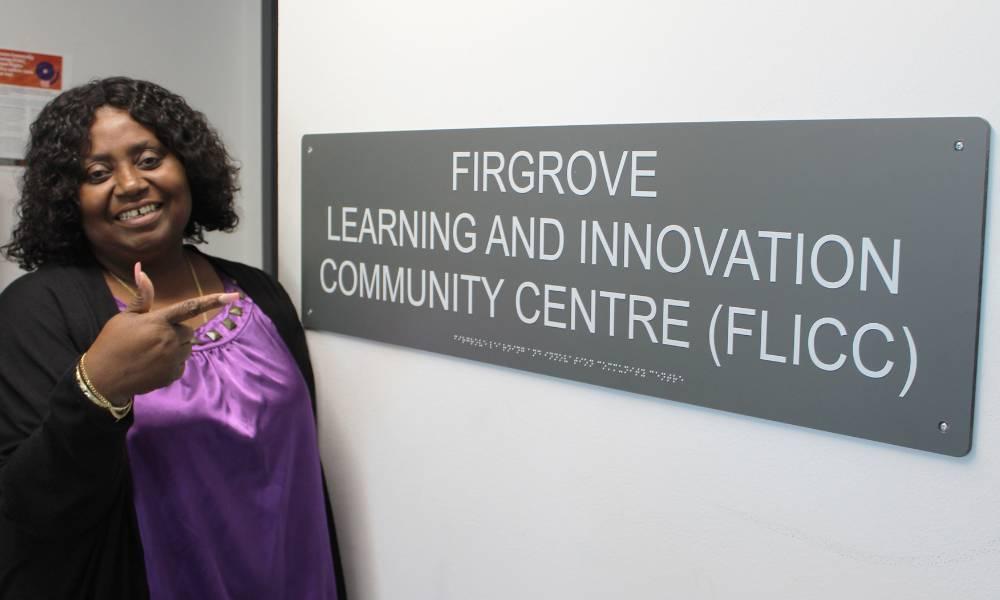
x,y
269,135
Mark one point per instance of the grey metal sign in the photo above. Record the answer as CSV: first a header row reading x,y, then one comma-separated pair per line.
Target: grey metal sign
x,y
819,273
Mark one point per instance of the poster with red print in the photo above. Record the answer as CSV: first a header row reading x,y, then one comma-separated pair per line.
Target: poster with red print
x,y
28,80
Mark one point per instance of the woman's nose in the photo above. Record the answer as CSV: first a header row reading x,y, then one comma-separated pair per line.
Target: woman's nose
x,y
129,182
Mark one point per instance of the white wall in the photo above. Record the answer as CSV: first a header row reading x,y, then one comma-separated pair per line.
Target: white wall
x,y
458,480
208,52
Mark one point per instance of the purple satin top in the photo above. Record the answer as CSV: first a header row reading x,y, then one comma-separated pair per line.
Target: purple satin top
x,y
226,471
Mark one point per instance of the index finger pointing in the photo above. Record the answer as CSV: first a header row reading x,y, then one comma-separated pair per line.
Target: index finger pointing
x,y
182,311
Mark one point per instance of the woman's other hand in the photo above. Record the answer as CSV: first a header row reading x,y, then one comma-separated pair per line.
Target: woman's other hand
x,y
139,349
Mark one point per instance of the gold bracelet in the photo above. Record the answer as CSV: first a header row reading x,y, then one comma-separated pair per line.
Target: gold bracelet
x,y
88,389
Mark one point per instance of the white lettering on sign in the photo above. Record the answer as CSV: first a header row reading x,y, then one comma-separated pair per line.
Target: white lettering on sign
x,y
548,171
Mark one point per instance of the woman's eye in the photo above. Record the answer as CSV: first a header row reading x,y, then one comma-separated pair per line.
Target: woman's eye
x,y
149,161
97,175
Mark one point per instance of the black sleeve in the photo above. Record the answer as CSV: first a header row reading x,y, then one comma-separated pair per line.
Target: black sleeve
x,y
295,336
62,459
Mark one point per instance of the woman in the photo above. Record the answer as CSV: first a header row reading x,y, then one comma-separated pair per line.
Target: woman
x,y
157,436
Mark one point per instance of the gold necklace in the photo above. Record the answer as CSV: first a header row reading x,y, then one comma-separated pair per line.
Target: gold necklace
x,y
197,284
194,275
124,285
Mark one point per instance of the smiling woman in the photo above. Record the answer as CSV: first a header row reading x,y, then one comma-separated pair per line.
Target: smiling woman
x,y
157,433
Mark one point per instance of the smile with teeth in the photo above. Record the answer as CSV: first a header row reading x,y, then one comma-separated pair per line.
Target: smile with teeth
x,y
138,212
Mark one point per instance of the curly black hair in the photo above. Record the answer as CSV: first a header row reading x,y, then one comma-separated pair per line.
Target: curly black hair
x,y
49,229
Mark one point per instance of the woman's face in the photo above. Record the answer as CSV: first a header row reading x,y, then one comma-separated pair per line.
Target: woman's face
x,y
135,200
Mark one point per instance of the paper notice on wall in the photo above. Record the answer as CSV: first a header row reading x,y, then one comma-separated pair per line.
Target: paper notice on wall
x,y
28,80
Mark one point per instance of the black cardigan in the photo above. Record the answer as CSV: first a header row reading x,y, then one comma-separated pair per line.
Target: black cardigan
x,y
67,521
